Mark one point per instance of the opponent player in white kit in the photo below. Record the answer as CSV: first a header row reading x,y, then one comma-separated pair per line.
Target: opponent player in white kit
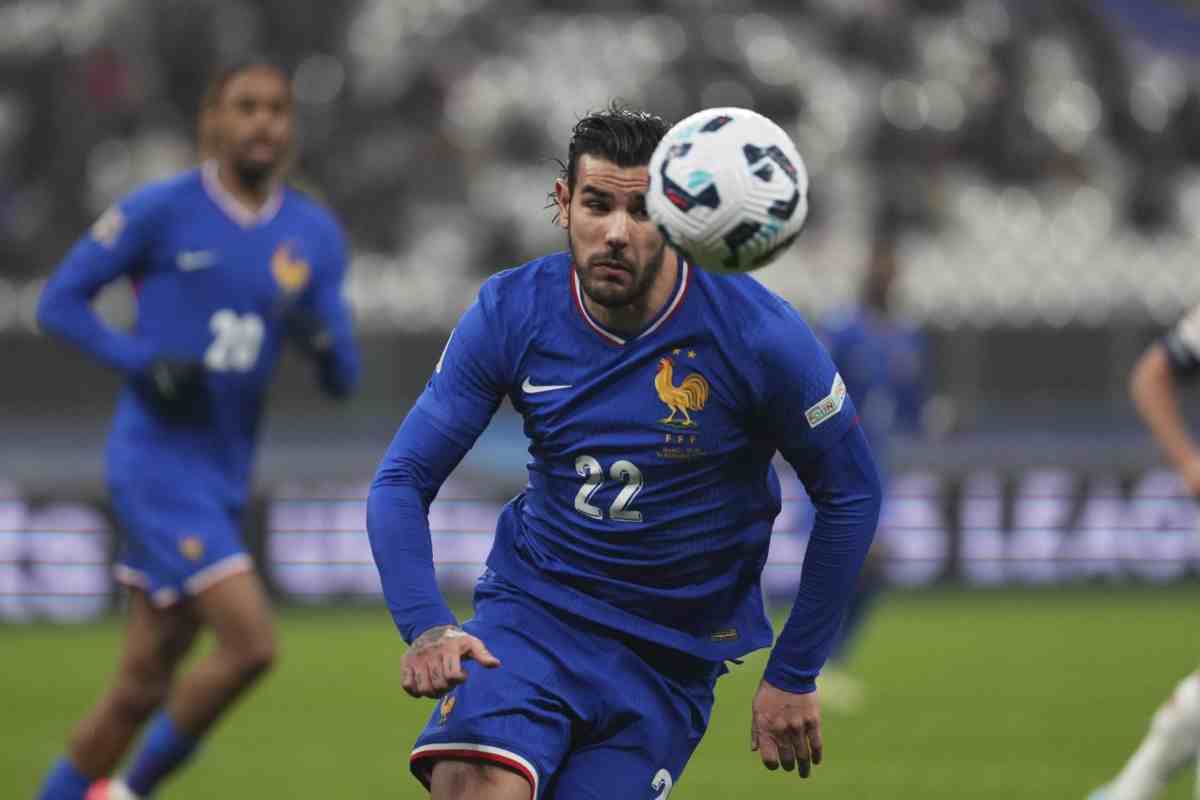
x,y
1173,740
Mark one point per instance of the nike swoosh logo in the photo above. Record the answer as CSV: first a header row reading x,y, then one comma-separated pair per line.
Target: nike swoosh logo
x,y
192,260
530,388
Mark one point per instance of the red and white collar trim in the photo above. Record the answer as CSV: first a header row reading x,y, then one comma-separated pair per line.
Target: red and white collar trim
x,y
233,207
612,338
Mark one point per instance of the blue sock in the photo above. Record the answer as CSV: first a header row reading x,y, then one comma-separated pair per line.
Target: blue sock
x,y
64,782
164,750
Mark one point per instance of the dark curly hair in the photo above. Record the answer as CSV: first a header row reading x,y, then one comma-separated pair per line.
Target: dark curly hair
x,y
623,135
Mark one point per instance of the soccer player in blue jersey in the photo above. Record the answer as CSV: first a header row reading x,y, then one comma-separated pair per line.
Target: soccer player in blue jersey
x,y
227,263
624,576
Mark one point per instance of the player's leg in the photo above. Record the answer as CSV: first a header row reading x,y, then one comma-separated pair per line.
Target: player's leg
x,y
657,710
1171,743
454,779
239,614
643,760
155,641
618,771
505,731
236,609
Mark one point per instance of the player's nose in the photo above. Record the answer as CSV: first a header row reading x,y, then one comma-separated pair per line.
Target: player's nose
x,y
617,233
262,118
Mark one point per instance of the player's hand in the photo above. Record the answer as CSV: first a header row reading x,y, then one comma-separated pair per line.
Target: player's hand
x,y
309,333
177,388
785,729
432,666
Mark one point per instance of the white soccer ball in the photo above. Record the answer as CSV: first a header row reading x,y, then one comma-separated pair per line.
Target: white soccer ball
x,y
728,189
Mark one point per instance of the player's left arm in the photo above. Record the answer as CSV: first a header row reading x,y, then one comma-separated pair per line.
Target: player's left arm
x,y
323,326
806,405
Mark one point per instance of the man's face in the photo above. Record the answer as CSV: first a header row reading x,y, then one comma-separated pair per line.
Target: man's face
x,y
254,121
617,250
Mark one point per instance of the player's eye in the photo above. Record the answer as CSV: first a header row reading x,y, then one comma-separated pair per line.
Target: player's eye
x,y
595,205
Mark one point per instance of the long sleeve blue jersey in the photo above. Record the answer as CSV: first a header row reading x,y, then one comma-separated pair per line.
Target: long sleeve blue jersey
x,y
215,284
651,492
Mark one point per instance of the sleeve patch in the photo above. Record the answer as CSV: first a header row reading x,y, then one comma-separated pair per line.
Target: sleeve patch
x,y
107,229
829,405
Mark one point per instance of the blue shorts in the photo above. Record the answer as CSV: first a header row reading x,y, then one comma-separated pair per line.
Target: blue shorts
x,y
579,710
178,539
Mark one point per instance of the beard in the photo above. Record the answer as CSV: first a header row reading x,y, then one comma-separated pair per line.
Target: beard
x,y
610,294
254,173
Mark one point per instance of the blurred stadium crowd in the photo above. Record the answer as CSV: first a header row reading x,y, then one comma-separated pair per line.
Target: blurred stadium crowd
x,y
1038,163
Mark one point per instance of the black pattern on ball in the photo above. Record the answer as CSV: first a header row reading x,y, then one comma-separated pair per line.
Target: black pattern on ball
x,y
684,200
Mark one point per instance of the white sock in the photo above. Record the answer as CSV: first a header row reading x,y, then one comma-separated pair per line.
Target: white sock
x,y
1171,743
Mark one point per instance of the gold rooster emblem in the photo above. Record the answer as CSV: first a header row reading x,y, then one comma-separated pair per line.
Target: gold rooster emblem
x,y
290,273
690,395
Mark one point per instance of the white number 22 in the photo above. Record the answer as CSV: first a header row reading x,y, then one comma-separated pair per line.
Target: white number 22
x,y
237,340
622,471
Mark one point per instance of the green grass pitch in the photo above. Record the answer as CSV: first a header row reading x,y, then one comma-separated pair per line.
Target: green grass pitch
x,y
988,694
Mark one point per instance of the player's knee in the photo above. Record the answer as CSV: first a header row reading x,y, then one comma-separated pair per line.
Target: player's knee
x,y
141,688
254,658
476,780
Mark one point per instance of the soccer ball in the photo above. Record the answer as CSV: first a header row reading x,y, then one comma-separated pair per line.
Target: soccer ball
x,y
728,189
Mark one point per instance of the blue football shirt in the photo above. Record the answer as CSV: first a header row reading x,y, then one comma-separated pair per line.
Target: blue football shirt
x,y
214,283
651,493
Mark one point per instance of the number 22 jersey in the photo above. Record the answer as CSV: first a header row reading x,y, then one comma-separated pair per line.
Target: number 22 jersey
x,y
651,493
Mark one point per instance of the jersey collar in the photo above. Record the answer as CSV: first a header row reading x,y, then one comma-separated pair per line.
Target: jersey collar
x,y
233,208
611,336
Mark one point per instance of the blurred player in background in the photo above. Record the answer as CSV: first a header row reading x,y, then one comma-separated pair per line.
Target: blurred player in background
x,y
882,360
1173,740
655,396
227,262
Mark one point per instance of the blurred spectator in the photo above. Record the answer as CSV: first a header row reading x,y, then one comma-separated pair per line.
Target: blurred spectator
x,y
925,108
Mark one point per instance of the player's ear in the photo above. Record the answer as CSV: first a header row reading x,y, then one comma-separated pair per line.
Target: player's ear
x,y
562,196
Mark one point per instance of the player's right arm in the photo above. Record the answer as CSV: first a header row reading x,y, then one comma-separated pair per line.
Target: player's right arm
x,y
322,326
804,404
117,245
467,385
1153,385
